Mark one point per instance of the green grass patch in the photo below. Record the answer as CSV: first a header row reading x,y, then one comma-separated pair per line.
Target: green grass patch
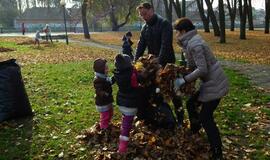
x,y
62,99
15,47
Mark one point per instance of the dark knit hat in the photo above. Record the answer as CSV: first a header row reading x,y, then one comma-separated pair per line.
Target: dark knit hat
x,y
122,62
99,65
129,34
184,24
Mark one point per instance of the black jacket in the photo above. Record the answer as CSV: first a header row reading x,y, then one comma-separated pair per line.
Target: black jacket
x,y
157,36
127,95
103,91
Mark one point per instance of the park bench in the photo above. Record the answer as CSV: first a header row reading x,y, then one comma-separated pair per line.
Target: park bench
x,y
56,37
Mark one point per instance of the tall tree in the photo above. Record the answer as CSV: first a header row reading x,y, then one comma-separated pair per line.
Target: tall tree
x,y
20,6
34,3
183,8
213,18
222,21
243,18
114,7
208,12
267,16
117,13
50,3
8,12
84,20
250,15
152,3
177,8
27,4
204,19
232,7
168,9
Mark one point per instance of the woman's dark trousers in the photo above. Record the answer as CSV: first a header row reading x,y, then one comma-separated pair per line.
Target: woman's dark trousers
x,y
205,118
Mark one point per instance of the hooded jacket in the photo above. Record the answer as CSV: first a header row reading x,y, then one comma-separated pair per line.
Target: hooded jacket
x,y
214,83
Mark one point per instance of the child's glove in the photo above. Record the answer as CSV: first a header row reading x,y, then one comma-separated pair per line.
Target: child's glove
x,y
178,83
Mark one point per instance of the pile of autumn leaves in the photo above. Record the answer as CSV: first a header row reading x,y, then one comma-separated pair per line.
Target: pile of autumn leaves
x,y
152,73
147,142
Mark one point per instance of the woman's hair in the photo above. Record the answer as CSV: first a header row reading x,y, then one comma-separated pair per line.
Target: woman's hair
x,y
183,24
144,5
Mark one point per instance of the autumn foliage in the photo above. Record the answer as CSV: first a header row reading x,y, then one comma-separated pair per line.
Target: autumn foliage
x,y
145,143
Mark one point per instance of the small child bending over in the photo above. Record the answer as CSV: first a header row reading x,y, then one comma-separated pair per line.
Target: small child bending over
x,y
103,89
127,99
37,37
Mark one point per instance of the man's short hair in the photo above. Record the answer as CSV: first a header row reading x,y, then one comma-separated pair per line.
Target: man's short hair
x,y
144,5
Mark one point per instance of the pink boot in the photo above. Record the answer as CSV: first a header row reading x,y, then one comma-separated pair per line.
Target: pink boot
x,y
104,120
111,114
123,145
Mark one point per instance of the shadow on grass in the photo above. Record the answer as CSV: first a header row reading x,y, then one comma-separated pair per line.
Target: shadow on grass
x,y
16,138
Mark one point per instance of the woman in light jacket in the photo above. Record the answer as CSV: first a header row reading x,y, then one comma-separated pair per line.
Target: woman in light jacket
x,y
214,83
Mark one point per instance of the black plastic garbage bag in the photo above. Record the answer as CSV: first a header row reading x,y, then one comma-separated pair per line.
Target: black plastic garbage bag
x,y
160,116
155,111
14,101
158,113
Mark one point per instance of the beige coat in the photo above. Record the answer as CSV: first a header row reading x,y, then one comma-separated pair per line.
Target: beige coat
x,y
214,83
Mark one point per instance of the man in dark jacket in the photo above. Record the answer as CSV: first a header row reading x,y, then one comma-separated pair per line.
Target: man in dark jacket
x,y
157,35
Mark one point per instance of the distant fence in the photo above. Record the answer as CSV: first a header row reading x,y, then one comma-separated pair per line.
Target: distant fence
x,y
72,29
103,29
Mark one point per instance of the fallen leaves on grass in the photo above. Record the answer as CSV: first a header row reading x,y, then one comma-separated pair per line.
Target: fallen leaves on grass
x,y
145,143
253,50
14,39
59,53
3,49
30,42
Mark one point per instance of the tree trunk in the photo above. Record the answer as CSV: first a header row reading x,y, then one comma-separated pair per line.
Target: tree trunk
x,y
113,18
27,4
222,21
152,3
267,18
202,15
243,17
34,3
250,16
20,7
232,11
183,8
213,18
168,9
177,8
84,20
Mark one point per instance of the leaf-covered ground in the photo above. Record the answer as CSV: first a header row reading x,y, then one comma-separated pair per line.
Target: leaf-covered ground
x,y
49,53
255,49
58,80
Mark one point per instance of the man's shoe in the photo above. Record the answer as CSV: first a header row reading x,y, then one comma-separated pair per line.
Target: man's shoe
x,y
217,153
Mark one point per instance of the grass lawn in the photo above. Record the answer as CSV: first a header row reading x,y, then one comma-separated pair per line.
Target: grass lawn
x,y
255,49
58,81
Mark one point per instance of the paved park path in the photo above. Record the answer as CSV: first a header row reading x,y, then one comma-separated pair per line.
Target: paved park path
x,y
259,75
